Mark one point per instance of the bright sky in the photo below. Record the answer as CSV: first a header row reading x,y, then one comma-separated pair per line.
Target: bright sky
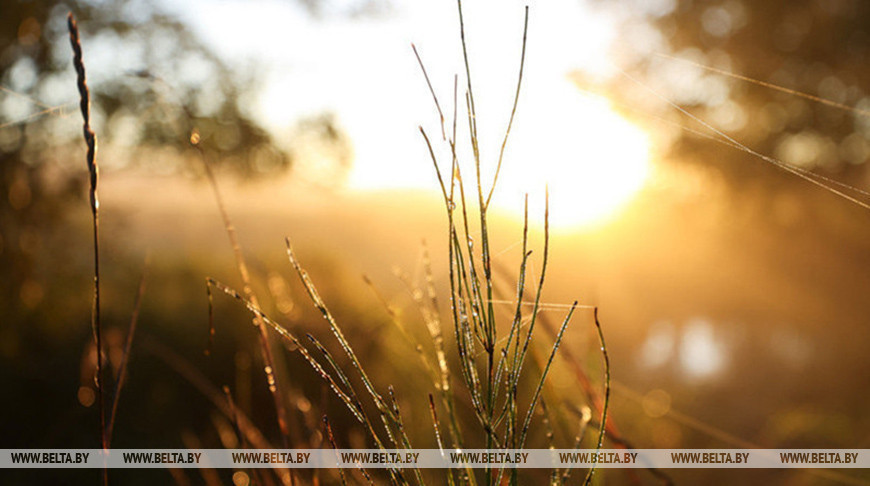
x,y
364,71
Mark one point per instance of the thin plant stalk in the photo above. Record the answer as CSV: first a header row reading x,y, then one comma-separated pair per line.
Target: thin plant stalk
x,y
388,413
336,330
293,340
537,394
237,428
331,438
513,111
585,417
94,172
349,397
217,397
263,336
431,90
400,325
128,346
603,428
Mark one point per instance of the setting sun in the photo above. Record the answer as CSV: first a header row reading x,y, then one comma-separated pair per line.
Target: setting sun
x,y
592,160
590,157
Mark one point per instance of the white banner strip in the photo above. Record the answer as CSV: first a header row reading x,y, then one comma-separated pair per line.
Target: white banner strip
x,y
434,458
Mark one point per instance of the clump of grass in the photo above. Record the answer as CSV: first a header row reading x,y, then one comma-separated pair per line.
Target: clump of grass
x,y
494,393
491,364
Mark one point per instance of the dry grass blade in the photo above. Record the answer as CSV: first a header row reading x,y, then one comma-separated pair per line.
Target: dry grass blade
x,y
400,428
216,396
125,358
548,429
211,328
469,95
513,111
783,89
537,394
447,199
400,325
585,417
733,141
331,438
47,111
592,396
231,404
433,324
237,428
349,394
435,423
350,401
263,336
294,341
431,90
518,314
388,415
519,356
193,376
603,428
336,329
94,172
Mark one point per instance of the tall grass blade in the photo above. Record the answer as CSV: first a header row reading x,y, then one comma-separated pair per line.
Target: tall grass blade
x,y
537,394
400,426
331,438
189,373
403,330
293,340
431,90
603,428
128,346
585,417
265,350
336,329
349,391
513,111
94,172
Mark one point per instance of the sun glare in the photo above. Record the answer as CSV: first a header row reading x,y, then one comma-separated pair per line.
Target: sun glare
x,y
592,160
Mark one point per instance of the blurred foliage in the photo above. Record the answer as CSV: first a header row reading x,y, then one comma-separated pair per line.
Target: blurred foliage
x,y
152,82
820,48
347,9
324,151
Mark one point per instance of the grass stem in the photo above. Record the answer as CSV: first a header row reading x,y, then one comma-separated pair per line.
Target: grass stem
x,y
94,172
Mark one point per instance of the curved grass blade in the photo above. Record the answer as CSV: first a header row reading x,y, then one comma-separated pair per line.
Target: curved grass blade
x,y
603,427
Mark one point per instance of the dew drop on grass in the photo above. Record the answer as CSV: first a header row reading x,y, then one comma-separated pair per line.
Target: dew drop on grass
x,y
270,378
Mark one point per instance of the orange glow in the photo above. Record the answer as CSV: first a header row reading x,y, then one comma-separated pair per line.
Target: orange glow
x,y
592,160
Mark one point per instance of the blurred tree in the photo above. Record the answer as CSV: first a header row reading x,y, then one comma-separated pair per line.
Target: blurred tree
x,y
817,47
162,83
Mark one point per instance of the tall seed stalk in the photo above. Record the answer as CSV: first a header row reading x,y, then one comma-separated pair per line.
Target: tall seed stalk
x,y
262,332
94,171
